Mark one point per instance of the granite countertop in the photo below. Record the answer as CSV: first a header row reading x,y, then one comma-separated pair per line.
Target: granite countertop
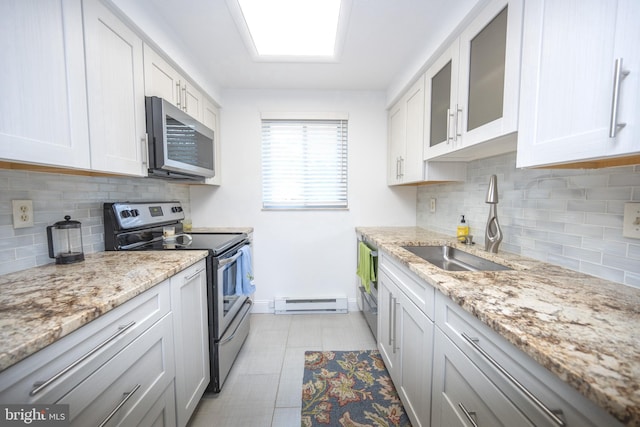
x,y
41,305
582,328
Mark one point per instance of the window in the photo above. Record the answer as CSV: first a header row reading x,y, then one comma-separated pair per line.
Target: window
x,y
304,162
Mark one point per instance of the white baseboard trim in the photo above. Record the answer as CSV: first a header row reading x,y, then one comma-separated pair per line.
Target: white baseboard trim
x,y
266,306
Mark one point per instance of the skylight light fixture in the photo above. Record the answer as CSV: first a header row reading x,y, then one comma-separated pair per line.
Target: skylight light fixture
x,y
287,28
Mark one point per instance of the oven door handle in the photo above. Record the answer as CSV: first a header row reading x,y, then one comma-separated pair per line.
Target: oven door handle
x,y
229,338
229,260
138,244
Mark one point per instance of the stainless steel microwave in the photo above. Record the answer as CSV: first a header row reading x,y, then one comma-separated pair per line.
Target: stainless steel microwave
x,y
180,147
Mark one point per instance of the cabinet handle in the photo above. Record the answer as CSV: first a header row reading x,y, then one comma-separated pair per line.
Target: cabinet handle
x,y
468,414
124,400
401,167
184,99
41,385
144,142
397,167
449,116
390,317
395,325
618,75
186,279
549,412
178,95
458,121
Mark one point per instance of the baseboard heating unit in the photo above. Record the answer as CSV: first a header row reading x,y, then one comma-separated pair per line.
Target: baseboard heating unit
x,y
311,305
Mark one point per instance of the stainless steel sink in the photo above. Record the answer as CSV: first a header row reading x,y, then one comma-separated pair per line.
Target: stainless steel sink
x,y
451,259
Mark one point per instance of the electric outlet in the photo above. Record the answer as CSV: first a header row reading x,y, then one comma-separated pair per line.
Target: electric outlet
x,y
432,205
631,222
22,213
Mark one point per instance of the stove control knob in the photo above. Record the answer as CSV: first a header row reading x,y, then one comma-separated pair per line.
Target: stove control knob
x,y
176,209
125,213
135,212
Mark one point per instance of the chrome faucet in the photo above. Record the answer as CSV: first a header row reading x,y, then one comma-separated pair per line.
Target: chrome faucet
x,y
493,233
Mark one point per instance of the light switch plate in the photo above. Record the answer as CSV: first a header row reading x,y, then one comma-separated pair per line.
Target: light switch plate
x,y
22,213
631,222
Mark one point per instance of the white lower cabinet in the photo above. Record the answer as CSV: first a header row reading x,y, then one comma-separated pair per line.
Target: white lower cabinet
x,y
125,388
190,321
504,386
144,363
61,366
387,325
405,341
463,396
163,411
450,369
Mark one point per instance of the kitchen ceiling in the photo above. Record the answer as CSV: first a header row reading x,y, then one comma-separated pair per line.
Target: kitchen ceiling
x,y
386,41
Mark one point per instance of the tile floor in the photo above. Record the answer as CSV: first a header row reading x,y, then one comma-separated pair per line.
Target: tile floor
x,y
264,387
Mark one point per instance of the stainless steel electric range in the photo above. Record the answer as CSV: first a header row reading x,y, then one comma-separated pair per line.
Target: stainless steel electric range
x,y
136,226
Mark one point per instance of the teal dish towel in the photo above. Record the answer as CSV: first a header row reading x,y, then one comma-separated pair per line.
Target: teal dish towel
x,y
244,273
366,269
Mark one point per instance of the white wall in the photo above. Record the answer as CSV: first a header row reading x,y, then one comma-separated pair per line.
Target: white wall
x,y
308,253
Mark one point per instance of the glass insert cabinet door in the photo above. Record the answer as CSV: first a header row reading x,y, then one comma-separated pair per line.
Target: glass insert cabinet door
x,y
489,70
486,73
439,119
472,87
441,103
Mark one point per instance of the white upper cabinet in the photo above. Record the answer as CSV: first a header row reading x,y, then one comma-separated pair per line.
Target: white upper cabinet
x,y
472,88
43,102
406,126
192,100
210,119
162,80
573,99
115,86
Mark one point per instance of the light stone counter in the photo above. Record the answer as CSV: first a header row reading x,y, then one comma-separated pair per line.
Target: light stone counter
x,y
40,305
584,329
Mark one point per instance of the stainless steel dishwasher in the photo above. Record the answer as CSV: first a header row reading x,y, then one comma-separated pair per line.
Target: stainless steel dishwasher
x,y
369,300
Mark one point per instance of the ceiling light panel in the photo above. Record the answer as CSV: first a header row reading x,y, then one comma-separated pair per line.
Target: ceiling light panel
x,y
292,27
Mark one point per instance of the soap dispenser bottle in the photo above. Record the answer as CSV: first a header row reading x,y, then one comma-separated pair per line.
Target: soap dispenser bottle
x,y
463,229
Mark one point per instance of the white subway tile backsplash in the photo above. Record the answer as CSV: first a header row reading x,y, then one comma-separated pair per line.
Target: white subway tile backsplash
x,y
571,217
584,254
57,195
587,205
632,279
604,220
609,193
600,270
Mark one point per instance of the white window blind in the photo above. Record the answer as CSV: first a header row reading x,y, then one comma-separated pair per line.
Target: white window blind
x,y
304,163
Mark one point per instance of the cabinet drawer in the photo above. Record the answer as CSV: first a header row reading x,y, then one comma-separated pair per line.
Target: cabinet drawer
x,y
126,387
541,395
163,411
67,362
461,392
418,291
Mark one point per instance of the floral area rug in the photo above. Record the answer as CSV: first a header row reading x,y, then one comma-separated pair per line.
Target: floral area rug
x,y
349,389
